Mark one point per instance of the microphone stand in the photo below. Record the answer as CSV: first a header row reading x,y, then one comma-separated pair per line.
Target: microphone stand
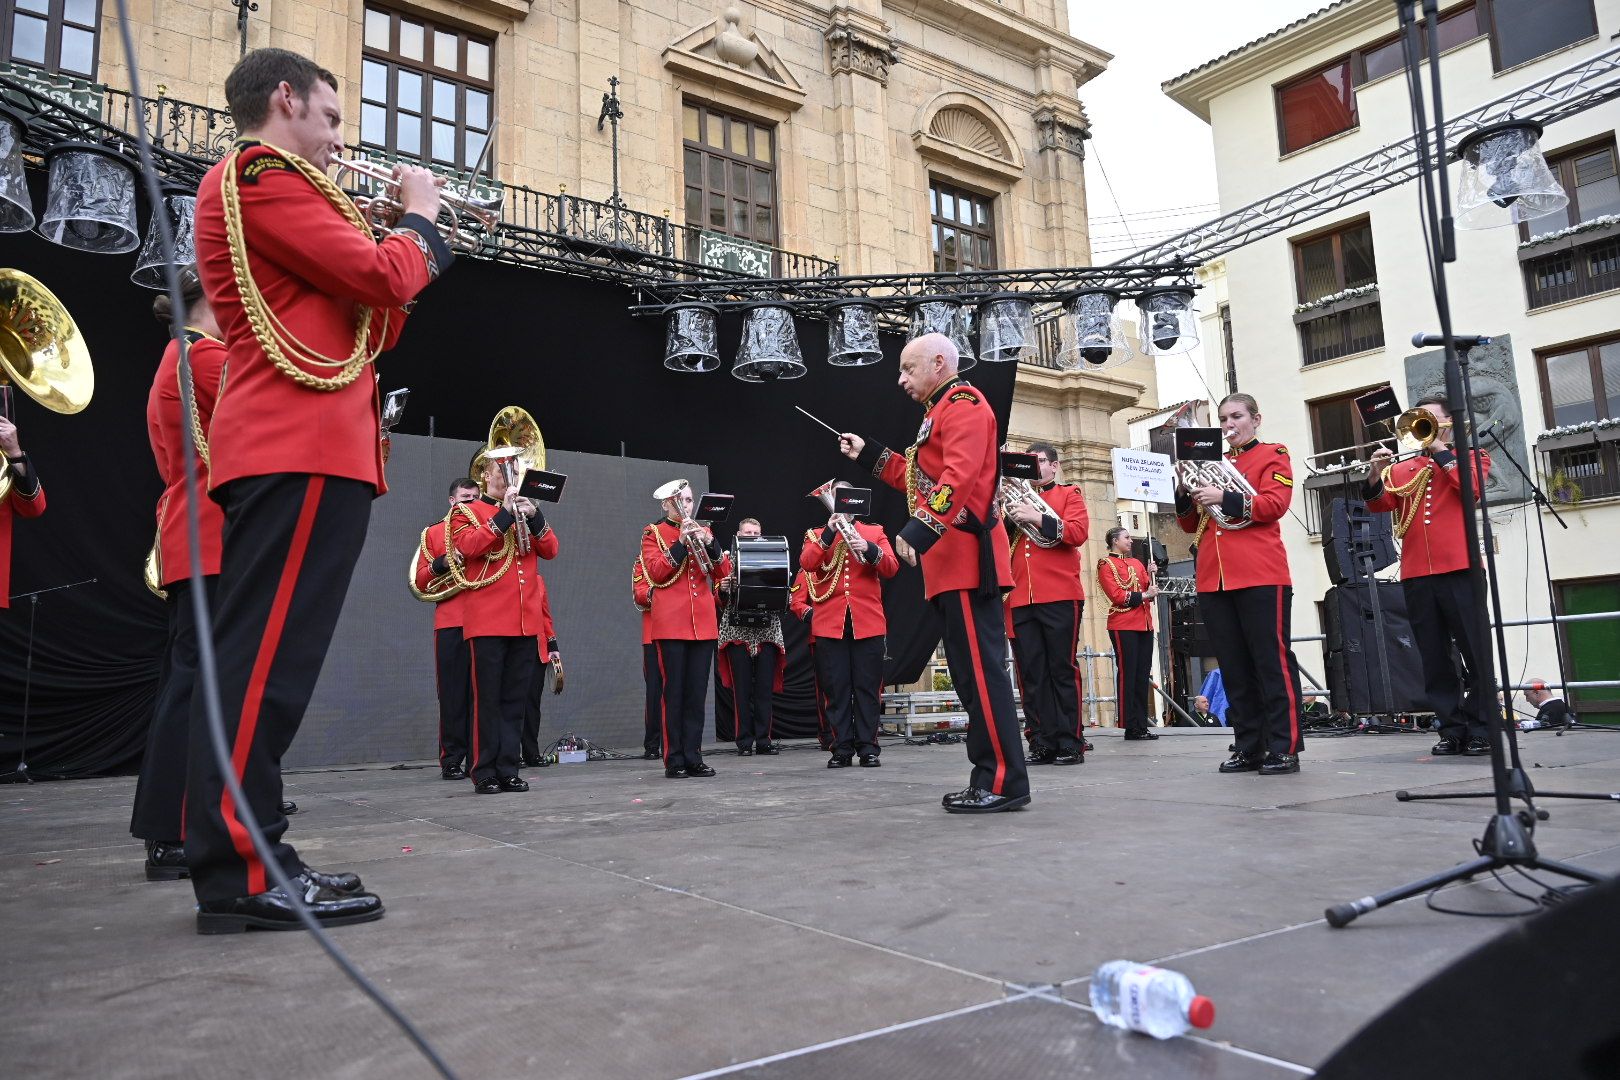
x,y
20,773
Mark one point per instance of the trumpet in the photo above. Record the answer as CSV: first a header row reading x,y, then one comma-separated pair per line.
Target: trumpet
x,y
470,219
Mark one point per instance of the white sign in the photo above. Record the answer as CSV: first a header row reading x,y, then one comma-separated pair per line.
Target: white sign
x,y
1144,476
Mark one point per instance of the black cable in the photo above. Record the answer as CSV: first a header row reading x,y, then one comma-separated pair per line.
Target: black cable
x,y
207,673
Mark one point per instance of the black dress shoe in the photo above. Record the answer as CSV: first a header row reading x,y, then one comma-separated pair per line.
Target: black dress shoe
x,y
870,761
1277,764
514,783
1041,757
745,753
273,910
454,772
1447,748
288,808
979,801
488,786
166,860
1136,736
675,774
766,749
342,884
651,755
533,763
1477,746
1087,747
1240,762
1068,757
700,769
840,761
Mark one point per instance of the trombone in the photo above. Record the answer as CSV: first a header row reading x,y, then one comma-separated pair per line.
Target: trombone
x,y
1414,425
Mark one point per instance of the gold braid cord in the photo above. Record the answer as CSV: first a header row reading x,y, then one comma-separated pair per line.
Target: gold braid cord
x,y
1133,585
198,436
1410,493
831,573
274,338
506,555
642,565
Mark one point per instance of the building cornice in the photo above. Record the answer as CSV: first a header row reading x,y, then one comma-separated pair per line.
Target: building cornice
x,y
988,23
1049,388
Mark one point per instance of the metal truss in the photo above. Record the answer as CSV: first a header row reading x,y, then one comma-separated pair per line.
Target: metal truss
x,y
1589,83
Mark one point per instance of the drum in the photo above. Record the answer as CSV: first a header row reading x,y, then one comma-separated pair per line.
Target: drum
x,y
761,574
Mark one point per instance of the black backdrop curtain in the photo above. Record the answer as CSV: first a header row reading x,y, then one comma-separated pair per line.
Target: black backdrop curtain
x,y
485,336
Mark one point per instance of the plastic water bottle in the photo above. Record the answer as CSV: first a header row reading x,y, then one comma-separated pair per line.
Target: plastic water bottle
x,y
1530,725
1154,1001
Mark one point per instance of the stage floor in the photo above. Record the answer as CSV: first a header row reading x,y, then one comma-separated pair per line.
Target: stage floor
x,y
779,920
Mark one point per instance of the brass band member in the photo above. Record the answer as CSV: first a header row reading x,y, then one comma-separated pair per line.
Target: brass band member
x,y
307,298
680,562
845,564
750,662
1130,590
26,498
451,666
949,476
1245,592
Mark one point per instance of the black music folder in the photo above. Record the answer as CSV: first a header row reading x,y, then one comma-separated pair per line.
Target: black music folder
x,y
542,486
852,501
713,507
1379,406
1021,466
1199,444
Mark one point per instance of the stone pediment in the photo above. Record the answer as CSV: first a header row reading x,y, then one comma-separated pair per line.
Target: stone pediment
x,y
723,54
962,130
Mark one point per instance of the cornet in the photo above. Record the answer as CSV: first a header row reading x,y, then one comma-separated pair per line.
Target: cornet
x,y
383,211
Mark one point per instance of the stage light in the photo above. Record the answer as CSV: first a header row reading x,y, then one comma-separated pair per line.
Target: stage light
x,y
181,206
691,344
852,334
1006,328
1504,170
770,346
90,200
948,317
1169,323
1097,336
16,206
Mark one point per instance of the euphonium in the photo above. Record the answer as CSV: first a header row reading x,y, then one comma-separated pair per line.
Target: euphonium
x,y
42,351
841,522
1015,490
1222,474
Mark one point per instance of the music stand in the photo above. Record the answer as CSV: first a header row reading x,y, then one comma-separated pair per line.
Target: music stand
x,y
19,775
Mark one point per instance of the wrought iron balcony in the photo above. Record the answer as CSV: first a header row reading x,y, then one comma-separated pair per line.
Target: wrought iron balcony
x,y
1341,329
1578,266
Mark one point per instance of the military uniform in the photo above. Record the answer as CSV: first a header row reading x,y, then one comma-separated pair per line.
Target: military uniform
x,y
452,670
749,661
1130,630
679,629
1043,619
847,624
25,499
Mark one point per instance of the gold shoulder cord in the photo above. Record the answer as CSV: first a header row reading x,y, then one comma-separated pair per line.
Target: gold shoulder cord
x,y
507,553
276,340
1411,493
832,572
1134,585
197,434
663,547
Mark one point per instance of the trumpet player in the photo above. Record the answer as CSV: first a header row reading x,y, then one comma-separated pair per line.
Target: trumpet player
x,y
1130,591
451,667
307,297
1043,612
680,563
1425,495
844,564
1245,592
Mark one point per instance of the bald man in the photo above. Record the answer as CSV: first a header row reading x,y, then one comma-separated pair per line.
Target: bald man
x,y
949,476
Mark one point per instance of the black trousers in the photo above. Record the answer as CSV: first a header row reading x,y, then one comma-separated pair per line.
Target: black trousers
x,y
160,791
976,651
501,670
1441,609
679,676
753,692
1250,629
824,732
530,742
850,671
652,717
453,675
1046,637
1133,669
290,544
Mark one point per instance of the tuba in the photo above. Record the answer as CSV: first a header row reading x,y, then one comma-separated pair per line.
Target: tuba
x,y
1015,490
42,352
515,442
845,527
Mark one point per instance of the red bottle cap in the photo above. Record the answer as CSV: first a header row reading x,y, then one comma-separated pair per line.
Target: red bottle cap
x,y
1201,1013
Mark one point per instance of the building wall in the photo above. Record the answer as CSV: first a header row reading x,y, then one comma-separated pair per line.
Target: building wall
x,y
1486,290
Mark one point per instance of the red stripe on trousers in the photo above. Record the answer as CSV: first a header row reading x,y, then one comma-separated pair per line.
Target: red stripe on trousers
x,y
1120,693
253,700
1079,687
472,672
985,704
1287,678
663,701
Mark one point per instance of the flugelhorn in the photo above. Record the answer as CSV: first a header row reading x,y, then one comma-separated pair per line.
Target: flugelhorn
x,y
459,212
42,352
841,522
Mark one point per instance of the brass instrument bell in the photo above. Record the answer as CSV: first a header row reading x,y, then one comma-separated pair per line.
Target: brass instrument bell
x,y
42,352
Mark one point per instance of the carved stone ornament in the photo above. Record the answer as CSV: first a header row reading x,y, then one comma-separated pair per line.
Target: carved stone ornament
x,y
1054,132
860,53
730,45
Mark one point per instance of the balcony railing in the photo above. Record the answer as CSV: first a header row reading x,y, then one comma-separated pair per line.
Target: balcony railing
x,y
1573,272
1340,330
1577,473
178,126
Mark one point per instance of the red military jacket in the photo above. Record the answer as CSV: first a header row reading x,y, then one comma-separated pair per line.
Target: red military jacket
x,y
799,598
949,475
1043,574
1123,580
16,502
840,583
1252,555
447,614
514,605
1428,516
314,269
165,418
681,598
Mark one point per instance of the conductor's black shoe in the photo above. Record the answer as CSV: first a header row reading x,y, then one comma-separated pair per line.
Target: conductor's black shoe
x,y
166,860
651,755
1068,757
342,884
288,808
1447,748
678,773
1240,762
454,772
488,786
840,761
979,801
273,910
870,761
1477,746
766,748
1277,764
700,769
745,753
514,783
